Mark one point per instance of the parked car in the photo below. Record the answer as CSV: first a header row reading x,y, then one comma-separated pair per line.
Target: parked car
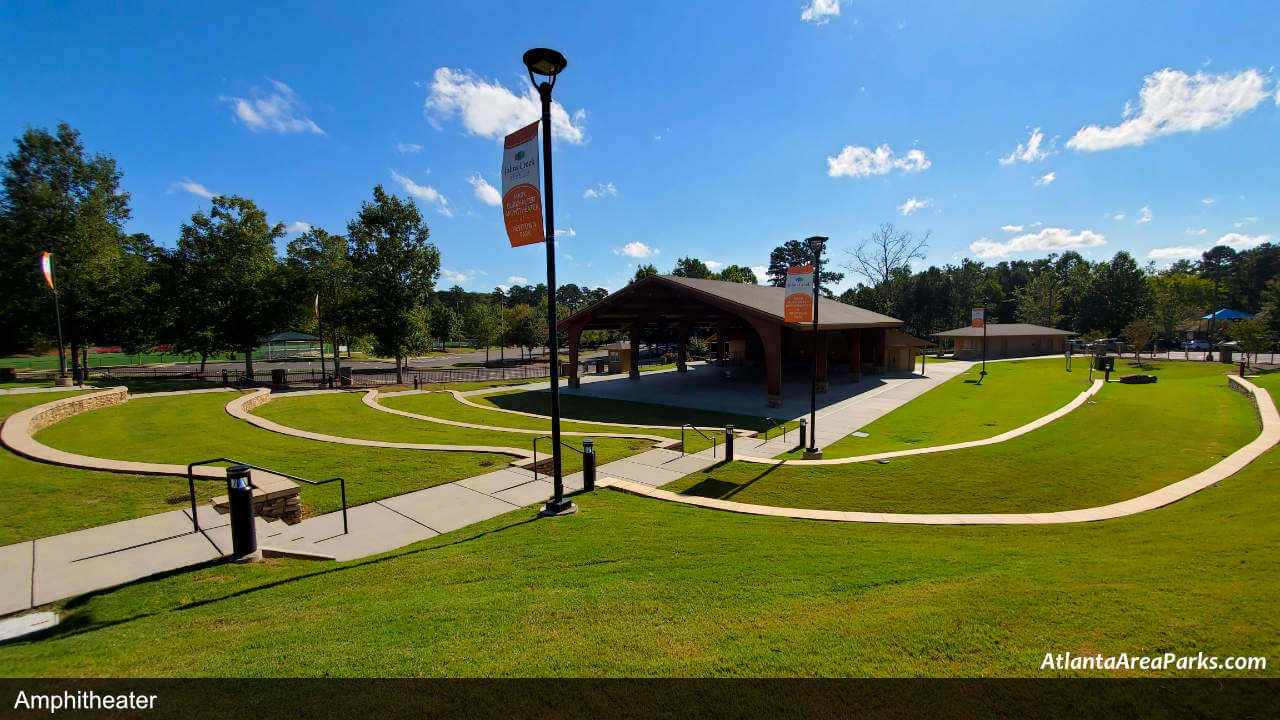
x,y
1195,344
1106,345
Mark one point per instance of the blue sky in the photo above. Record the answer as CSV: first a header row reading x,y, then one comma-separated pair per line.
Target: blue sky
x,y
719,131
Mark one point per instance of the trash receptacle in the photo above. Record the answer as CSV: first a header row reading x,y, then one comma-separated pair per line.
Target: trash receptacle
x,y
1226,354
344,376
279,377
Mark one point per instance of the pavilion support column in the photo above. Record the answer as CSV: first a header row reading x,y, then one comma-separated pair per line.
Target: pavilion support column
x,y
575,335
881,360
634,371
682,351
822,362
771,339
853,338
722,332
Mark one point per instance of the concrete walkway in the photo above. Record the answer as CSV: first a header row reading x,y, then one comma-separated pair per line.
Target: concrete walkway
x,y
41,571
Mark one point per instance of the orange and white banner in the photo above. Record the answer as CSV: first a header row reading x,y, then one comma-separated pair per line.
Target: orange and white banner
x,y
979,318
46,266
798,306
521,194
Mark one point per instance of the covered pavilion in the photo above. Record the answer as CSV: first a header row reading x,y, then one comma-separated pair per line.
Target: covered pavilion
x,y
747,319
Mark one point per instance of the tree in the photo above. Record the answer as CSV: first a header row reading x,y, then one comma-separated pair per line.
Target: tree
x,y
738,274
644,271
1137,334
885,250
481,324
1176,299
58,198
1040,301
570,296
443,323
396,268
793,253
1253,334
232,285
323,266
690,267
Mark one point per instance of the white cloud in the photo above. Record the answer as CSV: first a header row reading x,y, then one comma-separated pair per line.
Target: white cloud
x,y
863,161
408,148
518,280
1246,221
192,187
459,278
1011,228
714,265
1046,179
761,272
299,227
490,110
565,232
1241,241
1197,231
425,193
601,190
1118,216
1146,215
820,12
1048,239
1208,201
636,249
1175,253
1172,101
1030,152
487,193
912,205
279,111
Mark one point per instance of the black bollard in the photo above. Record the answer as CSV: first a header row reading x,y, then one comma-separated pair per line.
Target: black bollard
x,y
728,442
588,465
244,535
803,436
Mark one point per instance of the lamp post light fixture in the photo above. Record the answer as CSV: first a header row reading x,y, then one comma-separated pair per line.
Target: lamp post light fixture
x,y
812,452
548,63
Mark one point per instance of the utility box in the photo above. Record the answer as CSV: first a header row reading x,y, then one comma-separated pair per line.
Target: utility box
x,y
1104,363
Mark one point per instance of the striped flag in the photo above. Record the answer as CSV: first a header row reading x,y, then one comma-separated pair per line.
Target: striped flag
x,y
46,265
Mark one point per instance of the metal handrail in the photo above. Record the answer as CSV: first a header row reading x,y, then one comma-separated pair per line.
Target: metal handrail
x,y
535,452
695,429
191,485
775,425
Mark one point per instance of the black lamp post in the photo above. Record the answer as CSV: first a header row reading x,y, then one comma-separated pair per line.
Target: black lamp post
x,y
548,64
815,244
982,375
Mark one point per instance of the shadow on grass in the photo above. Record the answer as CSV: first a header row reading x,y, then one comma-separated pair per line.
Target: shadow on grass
x,y
79,623
721,489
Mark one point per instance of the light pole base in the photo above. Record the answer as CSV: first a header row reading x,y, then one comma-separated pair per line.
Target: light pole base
x,y
553,510
253,557
62,381
812,454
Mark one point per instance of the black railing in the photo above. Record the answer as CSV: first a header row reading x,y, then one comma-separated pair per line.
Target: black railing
x,y
191,485
712,438
535,452
775,426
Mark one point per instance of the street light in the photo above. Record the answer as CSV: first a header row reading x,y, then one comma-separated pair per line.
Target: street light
x,y
982,375
815,244
548,64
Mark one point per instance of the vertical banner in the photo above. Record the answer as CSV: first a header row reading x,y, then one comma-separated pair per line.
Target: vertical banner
x,y
46,266
521,194
798,306
978,317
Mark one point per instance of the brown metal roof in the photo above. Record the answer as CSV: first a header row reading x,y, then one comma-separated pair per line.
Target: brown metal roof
x,y
1005,330
668,295
894,338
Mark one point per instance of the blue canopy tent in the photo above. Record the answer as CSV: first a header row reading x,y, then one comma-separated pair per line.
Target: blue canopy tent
x,y
1227,314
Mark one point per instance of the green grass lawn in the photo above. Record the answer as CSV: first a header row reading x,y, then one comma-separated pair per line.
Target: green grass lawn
x,y
42,499
443,405
186,428
1014,393
344,414
631,586
595,409
1130,440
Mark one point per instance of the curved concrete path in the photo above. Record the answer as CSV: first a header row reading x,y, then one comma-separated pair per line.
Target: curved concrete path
x,y
370,399
1268,420
1040,422
241,408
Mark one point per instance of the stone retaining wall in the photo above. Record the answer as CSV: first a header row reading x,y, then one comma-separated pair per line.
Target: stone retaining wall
x,y
59,410
1234,383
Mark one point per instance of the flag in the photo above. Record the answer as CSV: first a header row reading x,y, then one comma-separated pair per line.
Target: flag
x,y
317,306
46,265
